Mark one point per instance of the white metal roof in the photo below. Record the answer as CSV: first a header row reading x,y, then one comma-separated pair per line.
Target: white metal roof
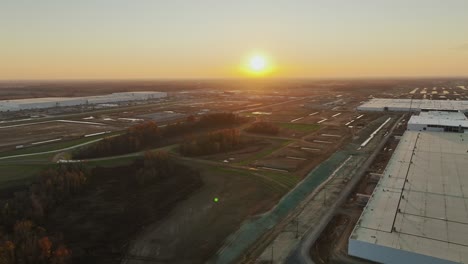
x,y
56,99
138,92
453,119
420,204
413,104
39,100
17,104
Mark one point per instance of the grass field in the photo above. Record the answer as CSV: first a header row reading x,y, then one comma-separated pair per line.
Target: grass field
x,y
265,152
201,225
278,182
21,170
242,193
12,175
299,127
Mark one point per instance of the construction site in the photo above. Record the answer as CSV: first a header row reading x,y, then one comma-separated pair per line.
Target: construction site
x,y
309,193
410,201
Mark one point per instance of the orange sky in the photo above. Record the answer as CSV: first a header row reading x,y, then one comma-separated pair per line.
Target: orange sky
x,y
208,39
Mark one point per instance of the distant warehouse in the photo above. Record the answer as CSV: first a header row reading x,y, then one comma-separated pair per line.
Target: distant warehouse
x,y
414,105
49,102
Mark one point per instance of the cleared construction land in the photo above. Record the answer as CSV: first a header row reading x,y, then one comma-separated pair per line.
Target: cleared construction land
x,y
255,200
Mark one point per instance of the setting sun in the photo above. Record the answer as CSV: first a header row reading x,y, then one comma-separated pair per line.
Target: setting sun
x,y
257,63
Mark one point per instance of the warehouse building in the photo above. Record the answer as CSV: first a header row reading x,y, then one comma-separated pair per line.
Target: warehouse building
x,y
418,212
414,105
125,97
49,102
38,103
439,121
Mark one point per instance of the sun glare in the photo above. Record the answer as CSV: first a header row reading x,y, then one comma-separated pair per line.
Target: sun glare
x,y
257,65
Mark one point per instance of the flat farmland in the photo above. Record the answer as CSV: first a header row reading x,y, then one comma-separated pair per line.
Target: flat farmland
x,y
301,156
40,133
256,148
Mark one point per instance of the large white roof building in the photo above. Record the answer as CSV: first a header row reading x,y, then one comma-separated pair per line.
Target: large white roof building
x,y
418,213
415,105
48,102
439,121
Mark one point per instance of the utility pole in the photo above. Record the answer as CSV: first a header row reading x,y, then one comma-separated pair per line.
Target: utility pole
x,y
272,260
297,227
411,104
324,195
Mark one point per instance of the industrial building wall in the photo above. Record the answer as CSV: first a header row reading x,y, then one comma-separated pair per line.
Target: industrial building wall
x,y
124,97
7,106
389,255
69,101
157,95
370,109
140,95
77,101
424,127
106,99
37,105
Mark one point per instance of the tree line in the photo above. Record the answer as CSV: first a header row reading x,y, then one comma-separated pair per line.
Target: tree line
x,y
211,143
158,166
21,239
148,135
263,128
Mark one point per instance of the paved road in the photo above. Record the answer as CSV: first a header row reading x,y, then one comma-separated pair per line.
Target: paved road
x,y
302,254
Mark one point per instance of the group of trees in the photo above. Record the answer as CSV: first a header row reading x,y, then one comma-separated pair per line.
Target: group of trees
x,y
157,167
21,240
52,187
28,243
135,138
148,135
263,128
211,143
220,120
119,200
209,121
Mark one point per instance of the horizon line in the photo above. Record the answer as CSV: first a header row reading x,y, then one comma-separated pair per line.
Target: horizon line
x,y
409,77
